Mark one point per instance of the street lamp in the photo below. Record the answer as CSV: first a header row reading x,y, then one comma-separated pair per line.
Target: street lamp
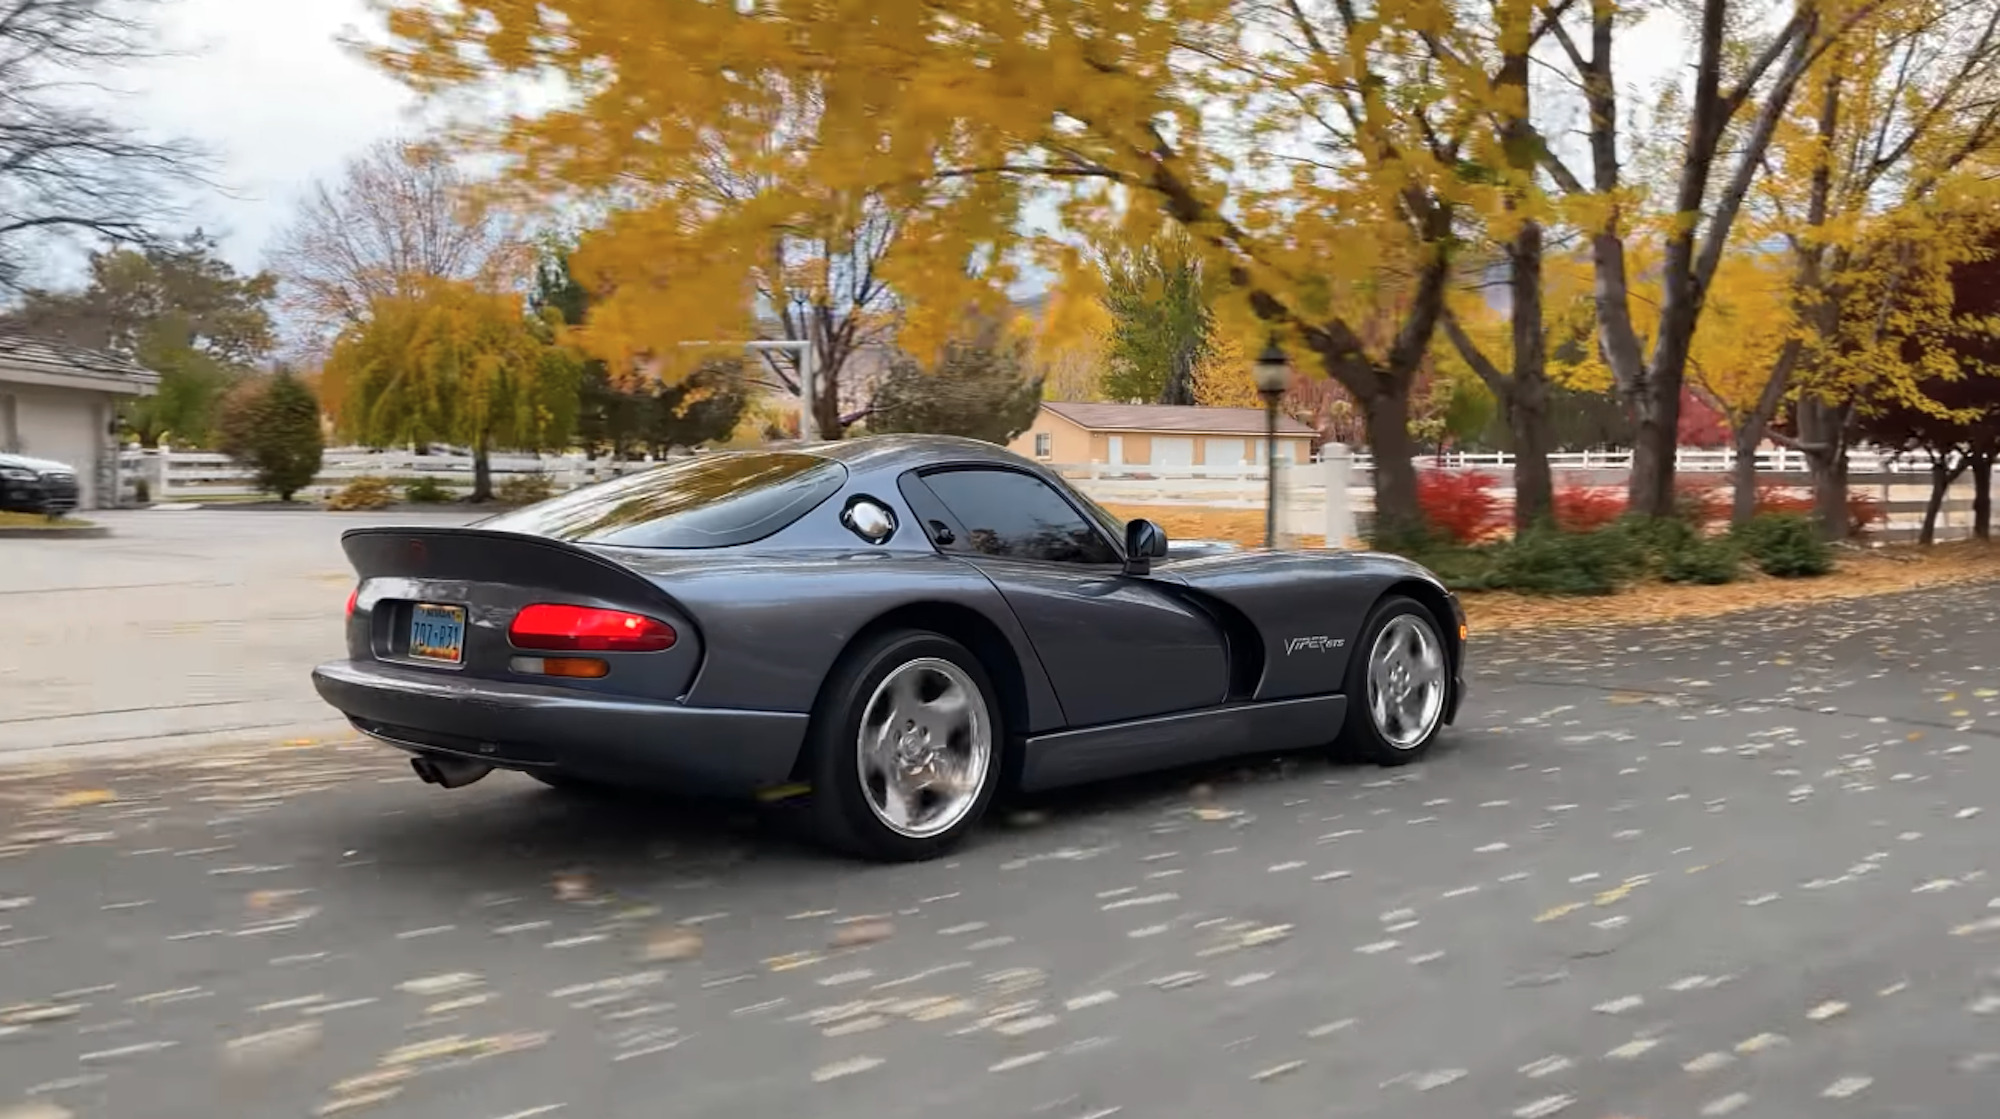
x,y
1274,373
808,417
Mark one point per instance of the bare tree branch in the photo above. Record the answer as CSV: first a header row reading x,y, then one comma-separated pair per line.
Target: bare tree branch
x,y
67,168
401,212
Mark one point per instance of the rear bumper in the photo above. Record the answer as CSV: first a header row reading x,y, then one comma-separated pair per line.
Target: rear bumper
x,y
535,727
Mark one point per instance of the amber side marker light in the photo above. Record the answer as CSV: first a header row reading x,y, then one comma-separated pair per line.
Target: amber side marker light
x,y
574,668
1463,631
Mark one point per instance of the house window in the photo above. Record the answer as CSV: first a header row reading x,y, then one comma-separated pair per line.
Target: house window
x,y
1044,444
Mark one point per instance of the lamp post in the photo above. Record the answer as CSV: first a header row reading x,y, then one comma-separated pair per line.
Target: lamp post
x,y
1273,373
808,416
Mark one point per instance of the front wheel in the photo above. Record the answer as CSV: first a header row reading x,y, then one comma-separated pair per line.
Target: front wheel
x,y
906,747
1398,685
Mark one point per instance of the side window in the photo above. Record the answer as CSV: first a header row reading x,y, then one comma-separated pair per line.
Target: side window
x,y
1011,514
1044,444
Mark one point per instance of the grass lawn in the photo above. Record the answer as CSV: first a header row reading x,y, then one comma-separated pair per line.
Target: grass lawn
x,y
1858,572
36,520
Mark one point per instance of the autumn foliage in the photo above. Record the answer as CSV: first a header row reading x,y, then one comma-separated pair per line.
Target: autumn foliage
x,y
1459,505
1588,508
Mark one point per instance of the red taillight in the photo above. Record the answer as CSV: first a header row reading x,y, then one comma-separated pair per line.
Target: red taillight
x,y
352,596
587,629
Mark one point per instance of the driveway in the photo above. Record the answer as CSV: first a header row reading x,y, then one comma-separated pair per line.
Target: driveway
x,y
1738,868
191,627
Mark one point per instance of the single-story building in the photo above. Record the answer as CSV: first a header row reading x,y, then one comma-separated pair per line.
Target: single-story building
x,y
60,402
1066,434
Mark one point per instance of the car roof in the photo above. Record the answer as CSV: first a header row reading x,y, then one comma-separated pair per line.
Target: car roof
x,y
901,452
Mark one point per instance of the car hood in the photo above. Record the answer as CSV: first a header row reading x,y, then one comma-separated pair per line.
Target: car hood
x,y
39,465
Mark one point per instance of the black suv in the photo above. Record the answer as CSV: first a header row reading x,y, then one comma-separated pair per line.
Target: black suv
x,y
36,485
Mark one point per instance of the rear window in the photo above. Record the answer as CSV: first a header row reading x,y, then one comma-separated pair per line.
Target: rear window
x,y
712,501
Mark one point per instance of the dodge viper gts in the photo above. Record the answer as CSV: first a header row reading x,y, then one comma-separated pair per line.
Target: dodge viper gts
x,y
895,627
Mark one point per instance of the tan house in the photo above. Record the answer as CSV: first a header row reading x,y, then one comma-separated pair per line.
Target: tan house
x,y
1071,434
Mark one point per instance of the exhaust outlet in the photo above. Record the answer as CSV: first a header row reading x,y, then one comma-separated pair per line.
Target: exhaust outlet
x,y
449,773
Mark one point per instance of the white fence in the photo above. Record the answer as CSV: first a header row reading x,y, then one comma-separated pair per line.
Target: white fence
x,y
1304,509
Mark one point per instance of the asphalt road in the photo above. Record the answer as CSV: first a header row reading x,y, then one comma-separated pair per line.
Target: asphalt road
x,y
1739,868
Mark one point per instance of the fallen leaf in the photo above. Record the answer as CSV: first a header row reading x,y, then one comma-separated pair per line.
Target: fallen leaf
x,y
572,886
83,798
862,932
263,1051
675,942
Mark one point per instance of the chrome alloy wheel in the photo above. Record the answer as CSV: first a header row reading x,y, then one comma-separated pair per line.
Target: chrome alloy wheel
x,y
1406,681
925,745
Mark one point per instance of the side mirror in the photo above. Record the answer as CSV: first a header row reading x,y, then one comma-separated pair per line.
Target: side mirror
x,y
1144,543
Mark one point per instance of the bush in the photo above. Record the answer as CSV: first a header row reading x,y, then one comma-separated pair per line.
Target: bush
x,y
1458,505
426,491
1783,499
1587,508
1699,504
363,493
1786,545
526,489
271,425
1546,561
1863,513
1709,560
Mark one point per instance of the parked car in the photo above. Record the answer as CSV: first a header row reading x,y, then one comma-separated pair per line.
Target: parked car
x,y
900,624
36,485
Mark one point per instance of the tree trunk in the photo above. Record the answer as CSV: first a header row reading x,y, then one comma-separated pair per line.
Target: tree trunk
x,y
1527,401
1179,388
1823,438
482,472
1743,473
1387,417
1982,496
1650,490
1943,474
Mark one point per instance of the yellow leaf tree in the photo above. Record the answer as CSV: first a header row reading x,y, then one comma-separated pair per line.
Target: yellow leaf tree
x,y
1678,192
449,361
1876,196
1311,150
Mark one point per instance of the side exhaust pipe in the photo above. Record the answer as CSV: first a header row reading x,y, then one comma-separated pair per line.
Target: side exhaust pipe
x,y
448,773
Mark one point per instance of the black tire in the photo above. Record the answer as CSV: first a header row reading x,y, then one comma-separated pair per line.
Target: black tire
x,y
842,813
1362,736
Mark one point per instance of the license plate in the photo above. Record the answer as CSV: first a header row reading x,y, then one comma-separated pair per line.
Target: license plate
x,y
437,633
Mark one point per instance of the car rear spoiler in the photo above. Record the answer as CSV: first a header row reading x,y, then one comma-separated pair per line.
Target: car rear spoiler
x,y
487,556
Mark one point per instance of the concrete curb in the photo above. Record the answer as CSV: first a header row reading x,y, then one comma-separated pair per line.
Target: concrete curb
x,y
323,732
53,532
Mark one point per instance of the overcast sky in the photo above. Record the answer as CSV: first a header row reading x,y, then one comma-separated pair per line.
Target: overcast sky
x,y
265,85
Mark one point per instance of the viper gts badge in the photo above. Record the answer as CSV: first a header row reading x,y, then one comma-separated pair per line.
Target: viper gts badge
x,y
1318,644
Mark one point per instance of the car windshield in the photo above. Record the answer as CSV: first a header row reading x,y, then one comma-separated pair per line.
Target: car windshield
x,y
711,501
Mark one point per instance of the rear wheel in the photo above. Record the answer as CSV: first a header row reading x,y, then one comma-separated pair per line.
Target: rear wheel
x,y
1398,685
905,747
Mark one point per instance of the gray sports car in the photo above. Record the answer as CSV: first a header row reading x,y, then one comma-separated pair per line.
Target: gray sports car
x,y
895,626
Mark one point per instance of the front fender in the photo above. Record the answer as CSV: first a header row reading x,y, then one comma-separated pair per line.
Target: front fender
x,y
1308,608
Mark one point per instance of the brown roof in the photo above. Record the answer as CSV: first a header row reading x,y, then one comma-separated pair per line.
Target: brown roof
x,y
1177,418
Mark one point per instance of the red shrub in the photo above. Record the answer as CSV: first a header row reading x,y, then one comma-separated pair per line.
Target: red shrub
x,y
1587,508
1458,504
1701,504
1863,513
1783,499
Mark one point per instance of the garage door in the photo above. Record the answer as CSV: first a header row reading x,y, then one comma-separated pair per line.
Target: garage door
x,y
60,425
1223,452
1173,452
